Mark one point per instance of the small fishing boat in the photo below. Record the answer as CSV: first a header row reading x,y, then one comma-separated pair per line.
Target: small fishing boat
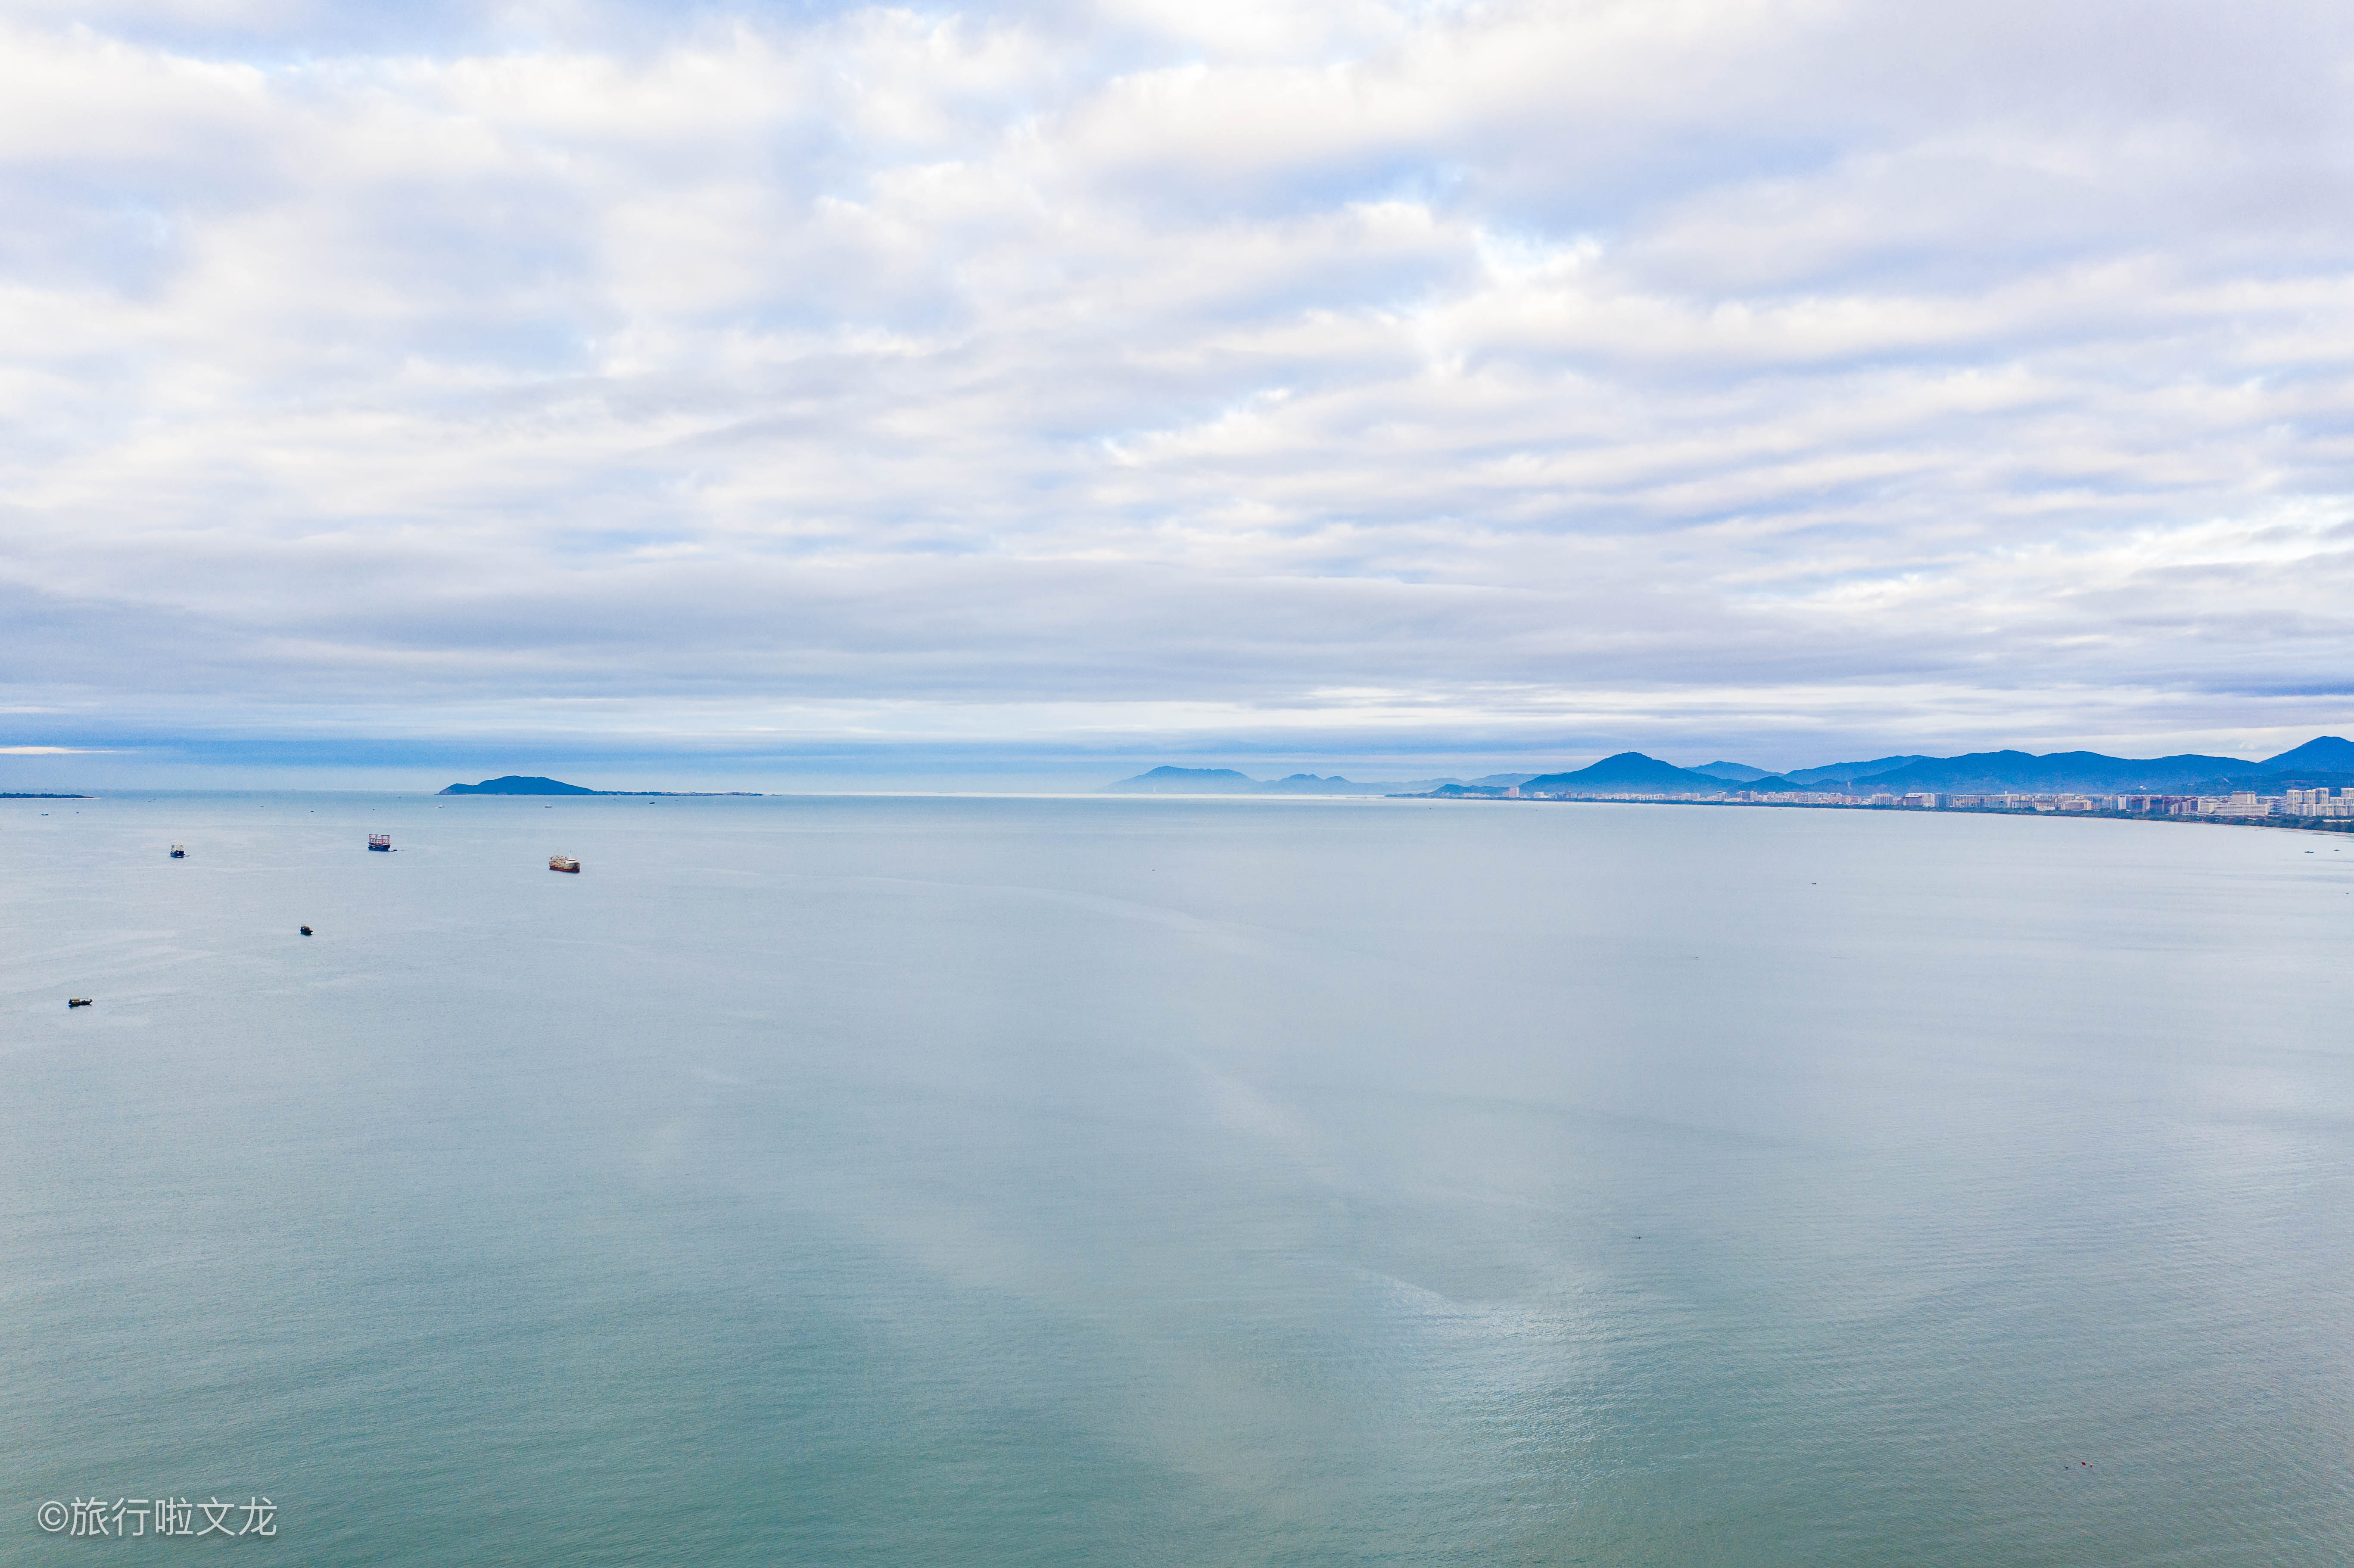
x,y
77,1002
179,852
306,930
380,841
563,863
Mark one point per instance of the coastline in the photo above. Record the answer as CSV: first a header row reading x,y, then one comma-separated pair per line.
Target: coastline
x,y
2313,824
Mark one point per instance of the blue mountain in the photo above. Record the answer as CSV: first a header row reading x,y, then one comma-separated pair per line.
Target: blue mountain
x,y
2323,754
1992,772
519,784
1629,772
1840,772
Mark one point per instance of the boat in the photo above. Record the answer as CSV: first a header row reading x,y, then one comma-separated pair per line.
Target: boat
x,y
306,930
563,863
380,841
179,852
77,1002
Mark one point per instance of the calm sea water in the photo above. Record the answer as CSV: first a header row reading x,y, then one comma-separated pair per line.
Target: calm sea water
x,y
892,1182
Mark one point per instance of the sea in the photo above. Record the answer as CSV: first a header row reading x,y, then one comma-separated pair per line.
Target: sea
x,y
874,1180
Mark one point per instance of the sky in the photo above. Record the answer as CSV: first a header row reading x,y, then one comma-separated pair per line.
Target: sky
x,y
785,395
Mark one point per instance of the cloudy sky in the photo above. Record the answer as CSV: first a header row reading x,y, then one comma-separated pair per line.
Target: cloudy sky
x,y
775,392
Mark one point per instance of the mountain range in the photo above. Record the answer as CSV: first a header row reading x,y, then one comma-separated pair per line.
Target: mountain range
x,y
2325,760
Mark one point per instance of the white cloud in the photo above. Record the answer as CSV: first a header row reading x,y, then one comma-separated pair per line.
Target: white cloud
x,y
1703,369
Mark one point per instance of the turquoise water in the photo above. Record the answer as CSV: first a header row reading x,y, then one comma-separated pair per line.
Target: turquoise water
x,y
887,1182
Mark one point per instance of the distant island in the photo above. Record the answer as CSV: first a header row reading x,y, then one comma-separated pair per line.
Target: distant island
x,y
2311,782
532,784
1226,781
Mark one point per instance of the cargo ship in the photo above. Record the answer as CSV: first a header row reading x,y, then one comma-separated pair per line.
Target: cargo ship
x,y
563,863
380,841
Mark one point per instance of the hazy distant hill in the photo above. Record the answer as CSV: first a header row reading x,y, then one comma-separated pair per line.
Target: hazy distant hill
x,y
1736,772
1188,781
1226,781
1309,784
